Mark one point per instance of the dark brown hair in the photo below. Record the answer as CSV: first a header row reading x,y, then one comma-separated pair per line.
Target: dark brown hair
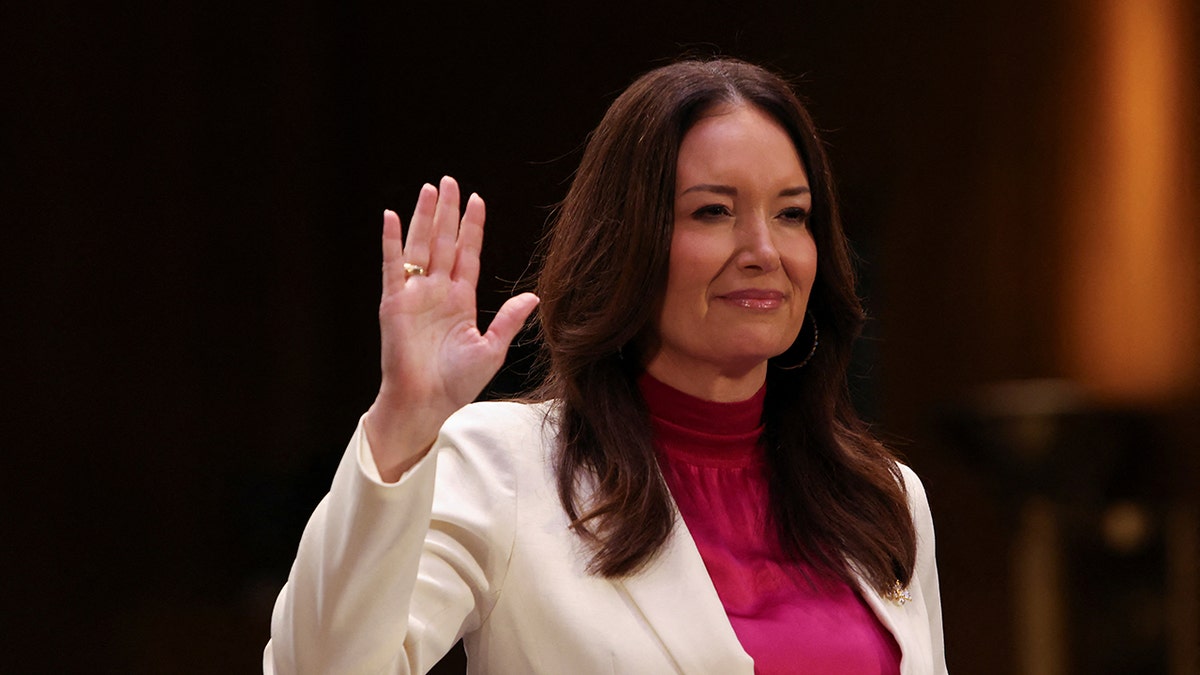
x,y
837,499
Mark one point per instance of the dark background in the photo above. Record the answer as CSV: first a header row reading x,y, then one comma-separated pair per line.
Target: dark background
x,y
192,195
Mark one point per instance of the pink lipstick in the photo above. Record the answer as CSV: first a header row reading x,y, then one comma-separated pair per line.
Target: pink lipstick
x,y
755,298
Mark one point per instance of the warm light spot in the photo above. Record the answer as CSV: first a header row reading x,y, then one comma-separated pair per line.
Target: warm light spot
x,y
1133,292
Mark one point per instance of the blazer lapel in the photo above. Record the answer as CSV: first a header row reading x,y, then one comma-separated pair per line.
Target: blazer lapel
x,y
897,619
676,599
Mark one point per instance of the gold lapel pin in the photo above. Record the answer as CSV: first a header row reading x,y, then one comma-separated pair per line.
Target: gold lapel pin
x,y
898,594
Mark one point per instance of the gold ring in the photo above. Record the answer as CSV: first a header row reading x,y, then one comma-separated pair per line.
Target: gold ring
x,y
411,270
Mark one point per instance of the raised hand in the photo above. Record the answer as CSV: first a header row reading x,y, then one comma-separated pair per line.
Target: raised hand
x,y
434,358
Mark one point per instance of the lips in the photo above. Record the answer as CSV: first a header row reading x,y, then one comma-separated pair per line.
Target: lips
x,y
754,298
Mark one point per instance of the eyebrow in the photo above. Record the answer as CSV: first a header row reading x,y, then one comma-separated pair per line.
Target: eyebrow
x,y
732,191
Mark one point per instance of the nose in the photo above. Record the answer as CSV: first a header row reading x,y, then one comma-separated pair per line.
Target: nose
x,y
756,249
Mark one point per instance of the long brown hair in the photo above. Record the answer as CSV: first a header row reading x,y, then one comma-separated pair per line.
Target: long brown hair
x,y
837,500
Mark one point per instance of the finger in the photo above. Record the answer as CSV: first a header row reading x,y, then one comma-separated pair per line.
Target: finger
x,y
445,228
509,319
416,249
470,241
393,252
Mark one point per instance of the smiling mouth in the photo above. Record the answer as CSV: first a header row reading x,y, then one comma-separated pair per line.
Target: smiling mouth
x,y
755,299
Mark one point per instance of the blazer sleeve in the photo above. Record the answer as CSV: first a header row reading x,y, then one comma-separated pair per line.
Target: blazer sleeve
x,y
389,576
926,568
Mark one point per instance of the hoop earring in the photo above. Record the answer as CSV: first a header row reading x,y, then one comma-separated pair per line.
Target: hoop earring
x,y
815,344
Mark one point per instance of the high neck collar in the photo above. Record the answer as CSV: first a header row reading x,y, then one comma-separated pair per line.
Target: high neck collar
x,y
696,414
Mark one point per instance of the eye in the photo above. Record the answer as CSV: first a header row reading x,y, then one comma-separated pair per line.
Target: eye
x,y
795,214
711,212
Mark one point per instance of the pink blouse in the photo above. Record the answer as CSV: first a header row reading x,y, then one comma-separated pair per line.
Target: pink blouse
x,y
714,467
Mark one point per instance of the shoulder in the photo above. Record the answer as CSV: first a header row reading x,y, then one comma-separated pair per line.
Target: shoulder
x,y
483,453
500,421
918,504
912,482
499,433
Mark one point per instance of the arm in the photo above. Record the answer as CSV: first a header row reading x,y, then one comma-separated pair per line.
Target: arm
x,y
383,585
347,606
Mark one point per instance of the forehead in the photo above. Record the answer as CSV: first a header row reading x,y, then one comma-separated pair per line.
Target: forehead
x,y
739,141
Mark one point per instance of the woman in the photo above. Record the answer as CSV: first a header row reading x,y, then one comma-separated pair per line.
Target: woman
x,y
691,491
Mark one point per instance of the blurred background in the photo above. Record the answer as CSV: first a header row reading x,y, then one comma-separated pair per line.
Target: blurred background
x,y
193,191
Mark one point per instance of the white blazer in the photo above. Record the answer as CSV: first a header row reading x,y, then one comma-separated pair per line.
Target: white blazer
x,y
473,543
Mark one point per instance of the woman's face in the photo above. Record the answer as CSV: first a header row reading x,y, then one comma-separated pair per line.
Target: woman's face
x,y
742,257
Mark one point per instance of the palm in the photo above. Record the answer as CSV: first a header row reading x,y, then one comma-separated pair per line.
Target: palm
x,y
432,344
434,358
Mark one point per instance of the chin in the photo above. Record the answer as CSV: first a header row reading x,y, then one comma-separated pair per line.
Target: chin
x,y
760,350
749,358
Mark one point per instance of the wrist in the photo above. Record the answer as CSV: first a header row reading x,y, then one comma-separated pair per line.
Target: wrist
x,y
396,442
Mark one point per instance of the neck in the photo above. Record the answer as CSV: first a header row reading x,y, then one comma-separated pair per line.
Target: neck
x,y
723,385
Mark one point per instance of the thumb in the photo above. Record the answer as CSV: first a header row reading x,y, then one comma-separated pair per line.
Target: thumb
x,y
510,318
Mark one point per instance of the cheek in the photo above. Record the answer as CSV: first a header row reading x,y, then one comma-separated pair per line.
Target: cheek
x,y
695,260
684,294
801,263
692,247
